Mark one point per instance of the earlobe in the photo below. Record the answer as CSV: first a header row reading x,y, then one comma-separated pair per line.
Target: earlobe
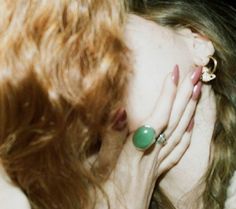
x,y
200,46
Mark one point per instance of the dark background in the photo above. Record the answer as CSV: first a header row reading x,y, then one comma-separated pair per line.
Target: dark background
x,y
230,2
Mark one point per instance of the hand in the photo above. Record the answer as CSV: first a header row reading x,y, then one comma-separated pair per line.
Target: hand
x,y
132,181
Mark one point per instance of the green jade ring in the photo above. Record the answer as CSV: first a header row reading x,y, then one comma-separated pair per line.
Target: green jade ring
x,y
144,137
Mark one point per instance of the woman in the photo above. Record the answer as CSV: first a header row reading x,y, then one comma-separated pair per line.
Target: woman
x,y
212,150
65,71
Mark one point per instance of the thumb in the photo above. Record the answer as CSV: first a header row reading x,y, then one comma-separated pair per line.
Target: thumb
x,y
113,139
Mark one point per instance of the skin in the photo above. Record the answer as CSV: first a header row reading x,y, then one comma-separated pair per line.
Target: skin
x,y
154,52
153,98
10,195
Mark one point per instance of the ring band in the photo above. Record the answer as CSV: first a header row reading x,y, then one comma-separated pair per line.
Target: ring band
x,y
161,139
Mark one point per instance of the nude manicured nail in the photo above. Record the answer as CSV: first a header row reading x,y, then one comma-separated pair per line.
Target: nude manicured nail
x,y
120,126
119,120
190,125
196,75
175,75
197,91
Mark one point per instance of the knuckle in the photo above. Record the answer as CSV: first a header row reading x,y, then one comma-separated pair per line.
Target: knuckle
x,y
173,162
187,142
187,88
189,92
175,141
168,90
162,125
159,125
170,128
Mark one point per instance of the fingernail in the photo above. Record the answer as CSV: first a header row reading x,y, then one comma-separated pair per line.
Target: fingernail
x,y
119,119
197,91
175,75
120,126
190,125
196,75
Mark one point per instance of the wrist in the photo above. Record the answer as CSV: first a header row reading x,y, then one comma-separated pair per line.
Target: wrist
x,y
133,196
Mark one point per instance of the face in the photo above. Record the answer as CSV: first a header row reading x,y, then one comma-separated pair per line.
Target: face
x,y
155,50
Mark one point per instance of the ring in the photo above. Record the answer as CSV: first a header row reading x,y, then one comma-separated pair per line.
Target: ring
x,y
161,139
144,137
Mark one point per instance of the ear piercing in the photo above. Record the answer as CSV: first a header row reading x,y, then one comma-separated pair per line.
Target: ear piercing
x,y
208,72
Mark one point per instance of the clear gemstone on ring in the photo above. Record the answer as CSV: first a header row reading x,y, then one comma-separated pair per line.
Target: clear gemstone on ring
x,y
161,139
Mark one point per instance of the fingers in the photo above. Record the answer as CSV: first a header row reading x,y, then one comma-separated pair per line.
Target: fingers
x,y
160,117
179,131
173,113
185,105
186,90
175,156
168,103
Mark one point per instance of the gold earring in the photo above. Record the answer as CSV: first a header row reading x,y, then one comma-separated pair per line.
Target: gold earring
x,y
207,72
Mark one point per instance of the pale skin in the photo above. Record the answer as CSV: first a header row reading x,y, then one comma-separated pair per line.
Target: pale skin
x,y
154,54
10,195
154,98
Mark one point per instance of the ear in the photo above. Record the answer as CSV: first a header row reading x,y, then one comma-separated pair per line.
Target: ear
x,y
200,46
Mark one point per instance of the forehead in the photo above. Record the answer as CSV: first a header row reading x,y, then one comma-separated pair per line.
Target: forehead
x,y
144,32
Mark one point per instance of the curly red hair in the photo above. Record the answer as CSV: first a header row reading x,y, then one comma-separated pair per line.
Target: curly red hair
x,y
63,70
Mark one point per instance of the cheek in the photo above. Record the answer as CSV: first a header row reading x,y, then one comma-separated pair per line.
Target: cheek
x,y
143,90
146,84
152,60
